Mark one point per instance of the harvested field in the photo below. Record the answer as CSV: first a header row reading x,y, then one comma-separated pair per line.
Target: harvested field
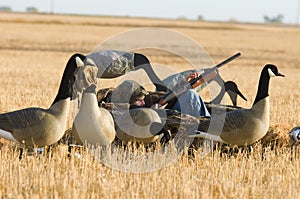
x,y
34,51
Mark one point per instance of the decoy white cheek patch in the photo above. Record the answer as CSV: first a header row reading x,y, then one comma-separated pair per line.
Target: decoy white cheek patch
x,y
79,62
7,135
297,131
271,73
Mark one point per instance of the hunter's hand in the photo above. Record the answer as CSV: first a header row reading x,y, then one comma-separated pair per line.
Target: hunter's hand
x,y
192,76
159,106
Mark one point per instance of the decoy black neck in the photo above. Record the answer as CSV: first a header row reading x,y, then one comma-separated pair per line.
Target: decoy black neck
x,y
219,97
263,86
66,86
141,61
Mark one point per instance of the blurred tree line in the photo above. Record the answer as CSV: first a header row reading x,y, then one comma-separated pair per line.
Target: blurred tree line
x,y
274,19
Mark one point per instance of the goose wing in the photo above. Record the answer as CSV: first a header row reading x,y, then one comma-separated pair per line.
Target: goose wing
x,y
21,119
5,123
231,121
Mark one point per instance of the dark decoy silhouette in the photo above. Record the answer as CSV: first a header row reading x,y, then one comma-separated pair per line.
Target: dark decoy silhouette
x,y
231,88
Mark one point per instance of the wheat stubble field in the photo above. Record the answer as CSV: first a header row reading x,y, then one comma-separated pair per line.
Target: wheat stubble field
x,y
34,50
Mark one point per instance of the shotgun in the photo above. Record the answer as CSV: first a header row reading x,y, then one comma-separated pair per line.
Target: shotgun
x,y
207,75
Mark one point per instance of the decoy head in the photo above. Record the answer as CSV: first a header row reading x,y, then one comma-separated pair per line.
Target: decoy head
x,y
272,70
295,134
233,91
68,78
86,75
267,72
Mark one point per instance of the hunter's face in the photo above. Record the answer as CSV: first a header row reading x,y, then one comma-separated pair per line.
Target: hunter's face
x,y
140,101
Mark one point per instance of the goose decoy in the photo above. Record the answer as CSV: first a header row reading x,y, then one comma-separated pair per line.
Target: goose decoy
x,y
295,134
134,122
139,124
92,124
42,127
113,63
231,88
242,126
215,107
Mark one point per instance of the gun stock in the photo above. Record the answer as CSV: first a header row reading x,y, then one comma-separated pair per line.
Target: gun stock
x,y
204,77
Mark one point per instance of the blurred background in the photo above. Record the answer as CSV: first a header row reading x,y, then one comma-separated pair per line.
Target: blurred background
x,y
254,11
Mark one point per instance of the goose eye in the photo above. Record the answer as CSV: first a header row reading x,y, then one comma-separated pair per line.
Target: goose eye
x,y
271,73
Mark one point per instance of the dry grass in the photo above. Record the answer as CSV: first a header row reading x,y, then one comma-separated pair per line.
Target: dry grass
x,y
34,50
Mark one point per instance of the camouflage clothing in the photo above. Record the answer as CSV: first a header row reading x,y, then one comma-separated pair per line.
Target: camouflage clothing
x,y
128,92
111,63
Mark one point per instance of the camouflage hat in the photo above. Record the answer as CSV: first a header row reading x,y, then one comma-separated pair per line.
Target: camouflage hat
x,y
103,95
127,92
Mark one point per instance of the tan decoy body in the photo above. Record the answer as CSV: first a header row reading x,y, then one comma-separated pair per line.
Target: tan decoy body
x,y
41,127
92,124
243,126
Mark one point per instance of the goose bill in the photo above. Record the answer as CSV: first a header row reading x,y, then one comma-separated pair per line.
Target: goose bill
x,y
241,95
279,74
272,74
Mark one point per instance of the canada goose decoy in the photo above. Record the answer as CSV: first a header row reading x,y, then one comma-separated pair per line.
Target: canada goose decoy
x,y
143,125
215,107
132,123
113,63
295,134
231,88
42,127
243,126
92,124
